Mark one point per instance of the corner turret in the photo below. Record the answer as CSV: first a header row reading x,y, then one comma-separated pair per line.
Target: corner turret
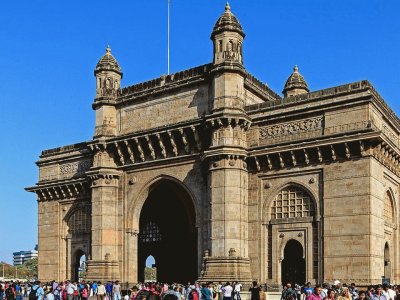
x,y
108,82
227,37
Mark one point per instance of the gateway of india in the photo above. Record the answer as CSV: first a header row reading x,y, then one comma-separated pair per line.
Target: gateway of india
x,y
220,178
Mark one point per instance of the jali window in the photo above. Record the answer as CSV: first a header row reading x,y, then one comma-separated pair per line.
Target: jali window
x,y
292,202
150,233
79,222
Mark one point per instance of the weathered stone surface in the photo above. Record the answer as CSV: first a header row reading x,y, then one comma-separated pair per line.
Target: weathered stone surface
x,y
319,169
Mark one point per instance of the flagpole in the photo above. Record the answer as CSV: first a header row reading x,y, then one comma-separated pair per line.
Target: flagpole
x,y
169,3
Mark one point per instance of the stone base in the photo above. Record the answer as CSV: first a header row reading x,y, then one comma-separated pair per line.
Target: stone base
x,y
229,268
102,270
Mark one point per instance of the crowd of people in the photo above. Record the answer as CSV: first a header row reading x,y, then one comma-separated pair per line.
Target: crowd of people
x,y
339,291
68,290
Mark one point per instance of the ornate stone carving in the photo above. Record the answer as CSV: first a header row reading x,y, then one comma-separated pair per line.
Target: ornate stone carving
x,y
291,129
75,168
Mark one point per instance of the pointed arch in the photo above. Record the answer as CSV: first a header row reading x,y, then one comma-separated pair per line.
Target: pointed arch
x,y
135,206
268,202
389,208
78,221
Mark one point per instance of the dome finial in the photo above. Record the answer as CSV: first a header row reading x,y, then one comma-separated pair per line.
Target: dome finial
x,y
108,49
227,7
295,84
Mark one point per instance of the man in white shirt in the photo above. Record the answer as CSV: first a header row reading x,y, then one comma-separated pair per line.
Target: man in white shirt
x,y
238,287
388,292
116,291
227,290
70,290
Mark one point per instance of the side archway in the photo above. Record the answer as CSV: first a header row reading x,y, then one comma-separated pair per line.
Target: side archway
x,y
291,214
293,263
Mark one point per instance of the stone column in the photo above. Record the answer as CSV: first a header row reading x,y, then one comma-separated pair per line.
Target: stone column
x,y
104,262
228,195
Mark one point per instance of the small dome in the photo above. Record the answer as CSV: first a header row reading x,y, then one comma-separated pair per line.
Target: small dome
x,y
227,22
295,82
108,63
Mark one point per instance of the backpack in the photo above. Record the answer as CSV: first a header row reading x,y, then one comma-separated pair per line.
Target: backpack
x,y
32,294
193,295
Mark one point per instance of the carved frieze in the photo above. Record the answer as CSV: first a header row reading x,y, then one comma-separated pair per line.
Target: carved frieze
x,y
74,168
291,130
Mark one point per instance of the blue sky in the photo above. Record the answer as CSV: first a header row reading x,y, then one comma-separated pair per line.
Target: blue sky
x,y
50,48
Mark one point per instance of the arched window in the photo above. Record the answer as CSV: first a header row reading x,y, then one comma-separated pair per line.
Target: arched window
x,y
292,202
150,233
388,210
79,222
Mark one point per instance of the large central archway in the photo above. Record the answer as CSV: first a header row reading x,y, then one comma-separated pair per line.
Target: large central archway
x,y
167,232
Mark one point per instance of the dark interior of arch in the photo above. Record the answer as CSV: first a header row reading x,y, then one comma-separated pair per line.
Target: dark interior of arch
x,y
293,264
167,232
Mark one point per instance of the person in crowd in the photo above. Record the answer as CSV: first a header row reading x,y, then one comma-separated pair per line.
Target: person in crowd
x,y
94,288
18,291
101,291
10,292
307,290
34,291
49,294
219,289
26,289
337,287
379,294
354,291
193,294
84,291
388,292
227,289
362,295
134,292
70,288
1,290
324,290
330,295
109,287
345,295
288,293
237,288
39,291
116,290
170,294
205,292
255,291
316,294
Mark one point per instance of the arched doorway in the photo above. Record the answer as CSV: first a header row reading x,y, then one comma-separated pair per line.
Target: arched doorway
x,y
387,265
167,231
293,264
79,266
150,270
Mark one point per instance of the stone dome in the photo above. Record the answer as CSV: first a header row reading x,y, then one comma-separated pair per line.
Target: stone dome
x,y
295,82
227,22
108,63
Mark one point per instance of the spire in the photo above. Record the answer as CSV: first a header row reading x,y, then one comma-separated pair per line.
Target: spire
x,y
227,7
295,84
